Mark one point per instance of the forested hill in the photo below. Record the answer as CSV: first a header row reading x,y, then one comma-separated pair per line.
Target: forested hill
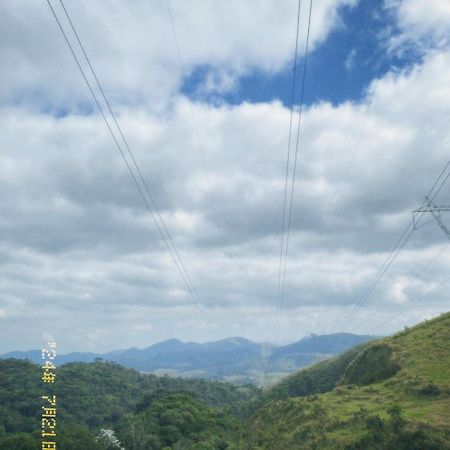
x,y
390,394
235,359
99,395
393,393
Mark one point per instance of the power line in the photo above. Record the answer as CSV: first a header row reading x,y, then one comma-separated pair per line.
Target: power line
x,y
431,260
283,266
357,141
401,242
353,155
263,361
194,122
425,266
435,211
286,176
263,355
137,177
387,263
415,301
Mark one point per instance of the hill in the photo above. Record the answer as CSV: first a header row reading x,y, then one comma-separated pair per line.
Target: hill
x,y
92,396
393,393
234,359
390,394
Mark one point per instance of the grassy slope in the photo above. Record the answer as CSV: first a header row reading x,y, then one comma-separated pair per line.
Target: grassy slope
x,y
319,378
337,418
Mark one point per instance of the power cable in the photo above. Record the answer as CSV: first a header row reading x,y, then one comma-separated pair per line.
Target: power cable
x,y
401,242
292,187
357,141
195,122
137,179
286,177
417,300
429,262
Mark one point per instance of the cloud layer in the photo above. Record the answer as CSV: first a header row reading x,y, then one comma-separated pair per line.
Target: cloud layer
x,y
134,49
80,255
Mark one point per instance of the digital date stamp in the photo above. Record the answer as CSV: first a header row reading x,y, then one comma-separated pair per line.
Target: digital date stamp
x,y
48,414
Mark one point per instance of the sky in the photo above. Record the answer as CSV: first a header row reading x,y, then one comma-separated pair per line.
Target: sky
x,y
204,102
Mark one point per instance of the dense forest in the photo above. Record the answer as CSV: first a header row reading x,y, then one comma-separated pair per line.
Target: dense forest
x,y
145,411
393,393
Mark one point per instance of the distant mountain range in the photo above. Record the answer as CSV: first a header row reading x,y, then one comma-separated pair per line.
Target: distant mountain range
x,y
233,359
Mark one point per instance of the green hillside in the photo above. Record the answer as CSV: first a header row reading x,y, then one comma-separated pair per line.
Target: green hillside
x,y
393,393
390,394
92,396
319,378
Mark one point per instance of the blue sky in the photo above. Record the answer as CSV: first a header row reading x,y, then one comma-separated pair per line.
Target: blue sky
x,y
339,69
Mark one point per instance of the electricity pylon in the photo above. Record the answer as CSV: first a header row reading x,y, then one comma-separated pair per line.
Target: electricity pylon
x,y
435,211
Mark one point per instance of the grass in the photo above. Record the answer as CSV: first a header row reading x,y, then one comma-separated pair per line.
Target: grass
x,y
420,386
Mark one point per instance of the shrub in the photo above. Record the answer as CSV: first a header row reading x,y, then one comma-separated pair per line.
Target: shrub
x,y
371,365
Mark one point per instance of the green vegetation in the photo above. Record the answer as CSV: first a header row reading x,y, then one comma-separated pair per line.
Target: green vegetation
x,y
391,394
392,434
102,395
371,365
178,421
322,377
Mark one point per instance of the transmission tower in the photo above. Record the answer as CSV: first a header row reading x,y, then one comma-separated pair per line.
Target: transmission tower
x,y
435,211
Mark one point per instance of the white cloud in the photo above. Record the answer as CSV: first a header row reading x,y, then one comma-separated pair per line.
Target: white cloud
x,y
349,63
133,49
80,251
423,24
81,238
